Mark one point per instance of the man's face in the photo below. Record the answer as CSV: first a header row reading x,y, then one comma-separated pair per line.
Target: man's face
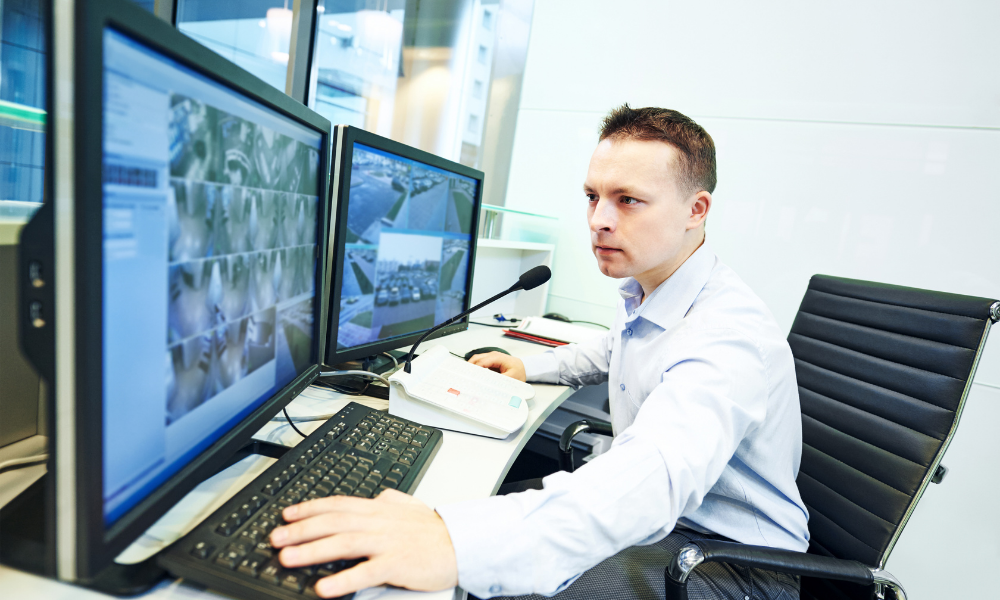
x,y
638,217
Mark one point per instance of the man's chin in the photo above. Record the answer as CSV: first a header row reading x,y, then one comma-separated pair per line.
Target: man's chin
x,y
613,267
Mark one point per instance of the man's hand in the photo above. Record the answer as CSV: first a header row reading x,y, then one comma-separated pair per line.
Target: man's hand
x,y
405,541
501,363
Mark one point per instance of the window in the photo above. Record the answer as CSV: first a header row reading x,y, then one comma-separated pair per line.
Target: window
x,y
487,20
477,89
484,54
22,107
254,35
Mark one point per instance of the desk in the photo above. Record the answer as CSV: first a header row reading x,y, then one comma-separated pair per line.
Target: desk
x,y
482,464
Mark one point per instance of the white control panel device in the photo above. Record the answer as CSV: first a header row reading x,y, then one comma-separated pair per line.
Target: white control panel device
x,y
446,392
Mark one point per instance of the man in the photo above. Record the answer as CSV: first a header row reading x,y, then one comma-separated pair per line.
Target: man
x,y
704,404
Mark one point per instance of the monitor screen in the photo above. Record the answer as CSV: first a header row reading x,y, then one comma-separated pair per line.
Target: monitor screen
x,y
210,203
406,248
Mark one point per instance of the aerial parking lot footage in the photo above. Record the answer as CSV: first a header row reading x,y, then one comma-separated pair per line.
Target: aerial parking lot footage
x,y
405,257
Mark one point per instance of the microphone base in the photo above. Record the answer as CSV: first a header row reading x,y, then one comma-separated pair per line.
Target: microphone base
x,y
378,363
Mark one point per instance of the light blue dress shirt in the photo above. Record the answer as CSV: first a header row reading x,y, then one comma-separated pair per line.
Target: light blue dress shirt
x,y
705,409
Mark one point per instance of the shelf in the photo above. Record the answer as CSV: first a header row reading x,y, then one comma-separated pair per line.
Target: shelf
x,y
516,245
504,209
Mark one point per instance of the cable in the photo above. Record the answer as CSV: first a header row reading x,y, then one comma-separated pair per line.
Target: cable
x,y
356,373
306,419
590,323
285,410
23,462
395,363
488,324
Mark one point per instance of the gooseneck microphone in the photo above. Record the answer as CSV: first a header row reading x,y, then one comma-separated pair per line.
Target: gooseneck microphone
x,y
528,280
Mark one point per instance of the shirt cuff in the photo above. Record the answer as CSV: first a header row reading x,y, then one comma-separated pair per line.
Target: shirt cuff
x,y
480,532
541,368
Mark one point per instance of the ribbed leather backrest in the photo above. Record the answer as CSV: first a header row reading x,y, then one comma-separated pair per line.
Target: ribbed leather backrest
x,y
883,372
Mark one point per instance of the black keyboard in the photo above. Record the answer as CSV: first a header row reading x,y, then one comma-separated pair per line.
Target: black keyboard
x,y
358,452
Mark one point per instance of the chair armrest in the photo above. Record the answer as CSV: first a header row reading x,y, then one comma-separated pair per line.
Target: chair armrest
x,y
571,431
771,559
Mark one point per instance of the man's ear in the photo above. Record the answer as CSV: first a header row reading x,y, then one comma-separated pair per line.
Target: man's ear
x,y
700,206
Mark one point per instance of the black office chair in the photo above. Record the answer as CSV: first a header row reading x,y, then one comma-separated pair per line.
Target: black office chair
x,y
883,374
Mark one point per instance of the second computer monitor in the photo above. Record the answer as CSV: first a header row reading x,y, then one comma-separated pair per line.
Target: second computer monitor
x,y
404,247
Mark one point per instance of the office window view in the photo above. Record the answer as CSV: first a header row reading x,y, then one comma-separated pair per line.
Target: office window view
x,y
413,72
418,72
254,34
22,107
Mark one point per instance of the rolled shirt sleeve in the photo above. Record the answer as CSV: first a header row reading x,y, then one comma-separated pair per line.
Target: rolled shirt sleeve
x,y
575,365
659,469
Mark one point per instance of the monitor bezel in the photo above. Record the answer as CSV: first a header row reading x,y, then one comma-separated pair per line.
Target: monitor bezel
x,y
346,138
97,545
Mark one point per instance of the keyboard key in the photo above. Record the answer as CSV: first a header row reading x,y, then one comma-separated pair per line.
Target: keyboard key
x,y
202,550
230,557
225,528
293,581
235,518
256,501
372,482
397,468
251,566
246,510
364,491
382,466
251,536
405,460
264,548
342,490
272,572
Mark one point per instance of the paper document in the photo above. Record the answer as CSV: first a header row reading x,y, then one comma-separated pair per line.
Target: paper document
x,y
558,330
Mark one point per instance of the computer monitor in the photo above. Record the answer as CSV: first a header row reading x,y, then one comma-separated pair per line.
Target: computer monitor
x,y
187,261
404,245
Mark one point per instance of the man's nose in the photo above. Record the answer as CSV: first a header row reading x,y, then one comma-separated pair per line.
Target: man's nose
x,y
603,217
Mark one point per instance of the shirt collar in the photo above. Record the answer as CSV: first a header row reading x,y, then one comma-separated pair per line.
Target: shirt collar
x,y
673,298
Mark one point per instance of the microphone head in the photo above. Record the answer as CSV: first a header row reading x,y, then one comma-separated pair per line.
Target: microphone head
x,y
533,278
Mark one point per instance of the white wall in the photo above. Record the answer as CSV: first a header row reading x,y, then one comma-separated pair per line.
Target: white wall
x,y
855,139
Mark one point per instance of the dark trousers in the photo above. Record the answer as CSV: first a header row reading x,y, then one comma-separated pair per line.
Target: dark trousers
x,y
637,572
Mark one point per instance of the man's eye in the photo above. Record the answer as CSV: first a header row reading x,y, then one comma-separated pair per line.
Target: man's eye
x,y
627,200
592,197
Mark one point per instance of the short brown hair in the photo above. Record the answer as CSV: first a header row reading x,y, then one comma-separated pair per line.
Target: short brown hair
x,y
696,150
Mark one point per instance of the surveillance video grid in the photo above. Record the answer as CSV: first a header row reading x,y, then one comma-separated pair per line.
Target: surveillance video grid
x,y
242,243
406,253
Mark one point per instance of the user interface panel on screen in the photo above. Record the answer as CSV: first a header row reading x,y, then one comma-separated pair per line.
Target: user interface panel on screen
x,y
406,254
210,224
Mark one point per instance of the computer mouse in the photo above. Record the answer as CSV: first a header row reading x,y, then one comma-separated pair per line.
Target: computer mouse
x,y
557,317
484,350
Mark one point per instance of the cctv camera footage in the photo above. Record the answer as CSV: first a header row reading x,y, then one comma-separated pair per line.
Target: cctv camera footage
x,y
406,256
242,211
210,213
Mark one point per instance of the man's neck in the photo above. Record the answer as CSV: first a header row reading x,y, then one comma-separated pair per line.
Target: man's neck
x,y
651,282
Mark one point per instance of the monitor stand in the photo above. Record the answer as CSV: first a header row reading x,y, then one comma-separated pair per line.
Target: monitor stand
x,y
376,363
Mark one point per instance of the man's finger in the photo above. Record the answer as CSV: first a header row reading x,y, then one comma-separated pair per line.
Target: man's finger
x,y
335,547
396,496
363,575
313,528
297,512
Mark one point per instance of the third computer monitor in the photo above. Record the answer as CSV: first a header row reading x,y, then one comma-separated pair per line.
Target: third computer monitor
x,y
404,247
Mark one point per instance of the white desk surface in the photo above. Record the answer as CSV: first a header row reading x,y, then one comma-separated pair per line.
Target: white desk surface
x,y
465,467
